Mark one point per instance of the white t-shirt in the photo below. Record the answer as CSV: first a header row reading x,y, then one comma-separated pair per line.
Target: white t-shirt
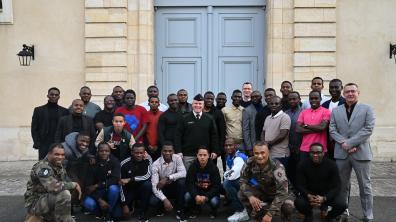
x,y
333,105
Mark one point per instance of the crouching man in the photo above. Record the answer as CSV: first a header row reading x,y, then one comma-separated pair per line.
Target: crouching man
x,y
319,185
168,181
47,195
264,187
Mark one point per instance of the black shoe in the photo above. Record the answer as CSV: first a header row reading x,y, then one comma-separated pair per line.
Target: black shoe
x,y
143,218
181,216
108,218
193,213
213,214
308,218
159,213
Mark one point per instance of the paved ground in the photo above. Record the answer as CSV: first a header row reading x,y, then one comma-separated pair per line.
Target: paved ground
x,y
13,178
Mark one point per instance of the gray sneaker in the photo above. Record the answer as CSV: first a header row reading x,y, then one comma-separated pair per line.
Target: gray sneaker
x,y
239,216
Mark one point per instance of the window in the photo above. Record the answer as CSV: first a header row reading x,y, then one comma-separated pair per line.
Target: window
x,y
6,15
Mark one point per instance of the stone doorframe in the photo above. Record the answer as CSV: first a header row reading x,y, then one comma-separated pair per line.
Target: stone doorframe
x,y
119,44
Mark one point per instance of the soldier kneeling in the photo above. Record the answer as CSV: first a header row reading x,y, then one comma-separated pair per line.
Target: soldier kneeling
x,y
264,187
47,197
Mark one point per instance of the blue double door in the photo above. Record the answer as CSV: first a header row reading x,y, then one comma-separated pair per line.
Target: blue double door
x,y
209,48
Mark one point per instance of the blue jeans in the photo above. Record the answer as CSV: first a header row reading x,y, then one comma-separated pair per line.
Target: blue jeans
x,y
190,202
232,187
175,190
110,195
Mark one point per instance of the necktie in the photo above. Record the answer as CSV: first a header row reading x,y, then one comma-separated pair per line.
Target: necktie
x,y
197,115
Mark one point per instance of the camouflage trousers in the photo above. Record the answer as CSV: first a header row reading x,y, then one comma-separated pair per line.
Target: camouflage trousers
x,y
53,207
286,211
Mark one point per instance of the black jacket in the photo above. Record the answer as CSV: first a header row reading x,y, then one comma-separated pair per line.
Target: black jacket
x,y
104,173
203,181
167,124
259,121
191,133
218,117
65,126
322,179
40,124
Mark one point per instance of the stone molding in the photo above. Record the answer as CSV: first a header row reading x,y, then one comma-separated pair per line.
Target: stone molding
x,y
314,42
119,46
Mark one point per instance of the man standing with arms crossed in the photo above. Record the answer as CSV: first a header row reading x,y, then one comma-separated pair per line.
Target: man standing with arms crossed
x,y
351,126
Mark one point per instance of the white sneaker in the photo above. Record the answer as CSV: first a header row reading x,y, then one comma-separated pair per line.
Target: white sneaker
x,y
239,216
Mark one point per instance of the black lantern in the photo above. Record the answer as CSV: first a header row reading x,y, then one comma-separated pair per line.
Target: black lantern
x,y
26,55
392,51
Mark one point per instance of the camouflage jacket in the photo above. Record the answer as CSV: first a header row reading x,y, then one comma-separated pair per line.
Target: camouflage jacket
x,y
45,178
269,181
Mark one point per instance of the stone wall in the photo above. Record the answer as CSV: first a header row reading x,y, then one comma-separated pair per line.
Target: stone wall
x,y
119,46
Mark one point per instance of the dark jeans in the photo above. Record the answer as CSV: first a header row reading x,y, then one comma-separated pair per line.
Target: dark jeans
x,y
338,206
284,160
174,190
232,187
292,167
190,201
223,160
304,155
139,191
110,195
43,149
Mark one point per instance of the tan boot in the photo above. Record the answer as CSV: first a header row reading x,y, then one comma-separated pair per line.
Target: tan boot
x,y
33,218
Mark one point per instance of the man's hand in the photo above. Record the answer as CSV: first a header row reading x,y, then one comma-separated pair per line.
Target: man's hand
x,y
353,150
152,148
111,144
92,188
255,203
78,188
267,218
320,199
180,154
125,211
312,200
123,182
167,205
317,201
92,161
162,183
200,200
103,204
213,156
344,146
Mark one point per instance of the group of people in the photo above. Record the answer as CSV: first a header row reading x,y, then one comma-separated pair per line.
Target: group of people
x,y
151,158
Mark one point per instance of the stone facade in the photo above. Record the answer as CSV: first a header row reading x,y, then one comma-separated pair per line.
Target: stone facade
x,y
111,42
119,46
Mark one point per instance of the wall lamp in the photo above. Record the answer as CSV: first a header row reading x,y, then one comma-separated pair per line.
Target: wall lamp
x,y
392,51
26,55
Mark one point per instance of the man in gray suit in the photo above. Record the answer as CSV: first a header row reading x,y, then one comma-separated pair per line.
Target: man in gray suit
x,y
351,126
248,121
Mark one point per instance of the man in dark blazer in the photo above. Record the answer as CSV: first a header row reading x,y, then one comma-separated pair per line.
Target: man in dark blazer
x,y
44,122
249,119
76,122
351,126
335,90
196,129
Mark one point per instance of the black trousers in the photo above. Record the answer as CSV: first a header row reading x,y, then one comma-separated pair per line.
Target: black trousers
x,y
338,206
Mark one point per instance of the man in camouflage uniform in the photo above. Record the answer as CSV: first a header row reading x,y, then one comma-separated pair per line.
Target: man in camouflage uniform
x,y
264,187
47,196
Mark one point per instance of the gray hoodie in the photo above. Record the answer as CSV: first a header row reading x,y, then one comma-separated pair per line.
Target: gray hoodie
x,y
72,153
